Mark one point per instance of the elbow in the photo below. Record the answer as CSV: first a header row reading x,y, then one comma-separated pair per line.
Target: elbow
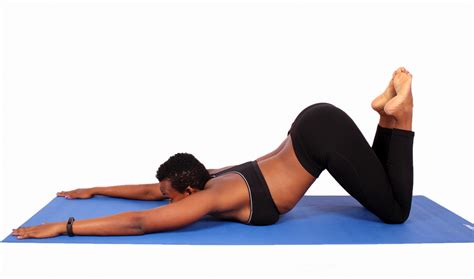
x,y
143,225
137,223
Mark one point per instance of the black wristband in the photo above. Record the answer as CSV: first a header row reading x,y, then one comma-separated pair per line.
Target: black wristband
x,y
69,226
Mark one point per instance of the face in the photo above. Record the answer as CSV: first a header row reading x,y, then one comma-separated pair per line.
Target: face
x,y
170,193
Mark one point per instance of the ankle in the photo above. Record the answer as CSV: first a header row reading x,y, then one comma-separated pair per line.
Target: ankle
x,y
387,121
403,124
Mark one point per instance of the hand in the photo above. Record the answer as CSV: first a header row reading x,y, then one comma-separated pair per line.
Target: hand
x,y
42,231
76,194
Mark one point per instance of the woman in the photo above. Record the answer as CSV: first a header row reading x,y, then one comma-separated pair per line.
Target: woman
x,y
322,137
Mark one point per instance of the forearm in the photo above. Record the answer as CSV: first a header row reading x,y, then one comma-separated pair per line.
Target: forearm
x,y
137,192
127,223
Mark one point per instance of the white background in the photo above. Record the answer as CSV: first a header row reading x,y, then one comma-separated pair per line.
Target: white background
x,y
97,93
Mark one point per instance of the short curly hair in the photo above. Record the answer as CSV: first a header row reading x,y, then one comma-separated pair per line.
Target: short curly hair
x,y
183,170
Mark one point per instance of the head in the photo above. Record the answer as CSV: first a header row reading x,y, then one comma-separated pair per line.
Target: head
x,y
181,175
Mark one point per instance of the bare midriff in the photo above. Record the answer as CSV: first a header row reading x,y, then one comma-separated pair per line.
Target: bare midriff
x,y
286,178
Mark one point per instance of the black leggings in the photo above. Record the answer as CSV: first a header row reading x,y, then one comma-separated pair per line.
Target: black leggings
x,y
378,177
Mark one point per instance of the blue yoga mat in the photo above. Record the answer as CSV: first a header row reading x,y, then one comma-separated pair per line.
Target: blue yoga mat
x,y
314,220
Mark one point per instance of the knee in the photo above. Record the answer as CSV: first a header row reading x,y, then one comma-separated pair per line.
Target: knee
x,y
397,219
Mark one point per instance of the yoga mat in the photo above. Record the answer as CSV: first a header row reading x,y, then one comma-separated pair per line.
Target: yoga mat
x,y
314,220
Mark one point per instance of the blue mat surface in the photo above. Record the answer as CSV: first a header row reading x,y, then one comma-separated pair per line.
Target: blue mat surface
x,y
315,220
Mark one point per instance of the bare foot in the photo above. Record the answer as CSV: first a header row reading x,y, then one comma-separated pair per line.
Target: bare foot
x,y
379,102
401,105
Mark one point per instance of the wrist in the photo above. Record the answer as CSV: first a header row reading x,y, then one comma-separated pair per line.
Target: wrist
x,y
61,228
93,191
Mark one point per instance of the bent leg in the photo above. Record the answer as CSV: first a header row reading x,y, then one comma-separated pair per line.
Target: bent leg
x,y
380,178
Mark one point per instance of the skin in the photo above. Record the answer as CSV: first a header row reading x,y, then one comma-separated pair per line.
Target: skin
x,y
225,197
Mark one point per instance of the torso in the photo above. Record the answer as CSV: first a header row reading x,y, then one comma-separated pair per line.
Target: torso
x,y
286,178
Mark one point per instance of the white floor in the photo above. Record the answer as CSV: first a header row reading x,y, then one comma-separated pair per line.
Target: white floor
x,y
183,261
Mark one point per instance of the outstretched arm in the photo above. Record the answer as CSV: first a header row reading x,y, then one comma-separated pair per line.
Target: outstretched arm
x,y
168,217
137,192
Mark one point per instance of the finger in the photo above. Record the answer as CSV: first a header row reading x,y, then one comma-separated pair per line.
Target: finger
x,y
18,231
28,232
22,236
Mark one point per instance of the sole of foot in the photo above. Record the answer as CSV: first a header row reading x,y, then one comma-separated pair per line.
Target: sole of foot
x,y
380,101
402,103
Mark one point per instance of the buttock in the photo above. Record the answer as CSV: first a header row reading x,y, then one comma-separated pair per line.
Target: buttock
x,y
318,130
